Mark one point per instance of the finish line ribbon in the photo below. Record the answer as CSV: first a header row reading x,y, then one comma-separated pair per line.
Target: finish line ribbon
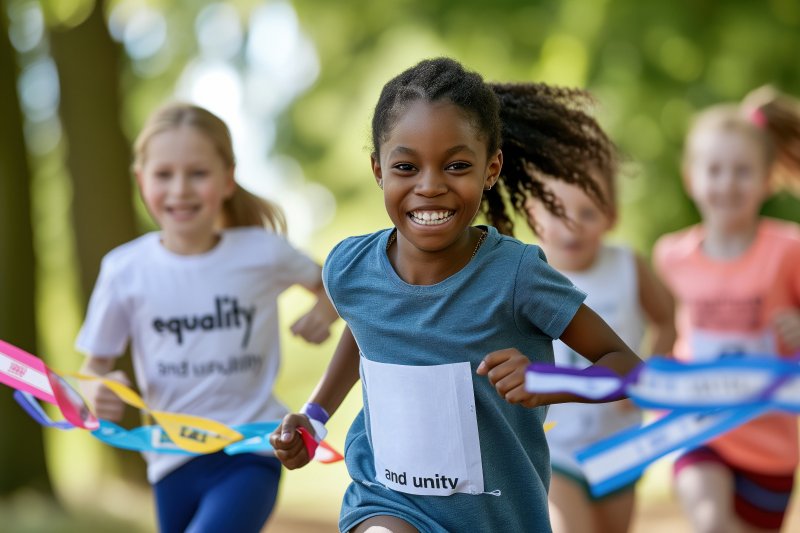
x,y
154,439
727,383
593,383
706,400
25,372
662,383
620,459
192,433
175,433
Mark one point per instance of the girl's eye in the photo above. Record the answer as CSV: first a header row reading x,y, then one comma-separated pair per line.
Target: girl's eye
x,y
459,165
199,173
163,174
742,171
404,167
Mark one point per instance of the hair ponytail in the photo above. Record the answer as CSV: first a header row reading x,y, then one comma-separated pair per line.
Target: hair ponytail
x,y
778,115
547,132
244,208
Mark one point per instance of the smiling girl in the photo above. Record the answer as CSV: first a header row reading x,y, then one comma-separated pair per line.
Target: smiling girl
x,y
197,301
443,318
736,279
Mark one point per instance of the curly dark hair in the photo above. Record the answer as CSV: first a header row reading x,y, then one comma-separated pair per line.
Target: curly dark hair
x,y
548,133
437,80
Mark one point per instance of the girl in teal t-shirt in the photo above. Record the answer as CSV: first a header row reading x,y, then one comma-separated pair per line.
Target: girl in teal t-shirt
x,y
444,317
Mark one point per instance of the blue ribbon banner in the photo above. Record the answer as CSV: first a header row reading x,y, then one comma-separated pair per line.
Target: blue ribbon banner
x,y
152,438
175,433
705,400
615,462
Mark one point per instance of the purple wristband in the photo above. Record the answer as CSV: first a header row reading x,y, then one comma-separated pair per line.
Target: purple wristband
x,y
315,411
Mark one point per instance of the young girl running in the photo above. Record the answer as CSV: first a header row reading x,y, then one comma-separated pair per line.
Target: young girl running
x,y
735,277
446,316
619,285
197,301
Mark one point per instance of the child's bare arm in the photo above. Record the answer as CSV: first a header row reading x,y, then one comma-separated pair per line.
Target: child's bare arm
x,y
590,336
787,325
314,326
587,334
105,403
339,378
659,306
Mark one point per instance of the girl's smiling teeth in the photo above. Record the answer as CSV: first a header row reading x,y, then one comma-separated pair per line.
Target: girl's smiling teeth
x,y
431,218
182,211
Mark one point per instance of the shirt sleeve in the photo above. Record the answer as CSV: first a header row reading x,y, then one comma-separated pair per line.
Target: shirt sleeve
x,y
328,270
543,296
295,267
106,329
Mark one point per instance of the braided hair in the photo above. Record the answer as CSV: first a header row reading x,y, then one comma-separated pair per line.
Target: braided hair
x,y
548,133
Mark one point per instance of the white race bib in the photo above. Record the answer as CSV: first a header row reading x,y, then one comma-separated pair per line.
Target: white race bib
x,y
423,427
712,345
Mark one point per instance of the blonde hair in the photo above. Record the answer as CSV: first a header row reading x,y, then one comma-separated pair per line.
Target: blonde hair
x,y
778,115
242,208
768,117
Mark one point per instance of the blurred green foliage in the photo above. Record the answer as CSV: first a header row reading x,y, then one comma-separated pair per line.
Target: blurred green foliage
x,y
651,65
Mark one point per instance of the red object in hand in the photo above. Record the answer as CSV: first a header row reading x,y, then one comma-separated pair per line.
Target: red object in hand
x,y
309,441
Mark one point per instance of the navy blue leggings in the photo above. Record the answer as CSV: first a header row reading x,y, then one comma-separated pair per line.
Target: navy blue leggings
x,y
218,492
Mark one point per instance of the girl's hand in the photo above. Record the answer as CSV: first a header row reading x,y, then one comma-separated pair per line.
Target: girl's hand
x,y
625,406
106,404
506,372
287,442
314,326
787,326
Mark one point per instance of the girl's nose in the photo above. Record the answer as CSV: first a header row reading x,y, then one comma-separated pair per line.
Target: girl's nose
x,y
431,183
570,226
726,178
180,184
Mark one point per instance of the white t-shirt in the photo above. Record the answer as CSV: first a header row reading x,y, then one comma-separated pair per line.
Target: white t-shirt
x,y
612,288
203,328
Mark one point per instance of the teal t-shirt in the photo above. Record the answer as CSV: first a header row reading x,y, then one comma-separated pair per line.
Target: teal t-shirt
x,y
507,296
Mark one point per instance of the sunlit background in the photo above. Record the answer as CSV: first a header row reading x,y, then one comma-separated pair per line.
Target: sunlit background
x,y
296,82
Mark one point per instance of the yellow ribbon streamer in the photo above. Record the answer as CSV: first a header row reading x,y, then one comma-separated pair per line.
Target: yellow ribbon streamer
x,y
189,432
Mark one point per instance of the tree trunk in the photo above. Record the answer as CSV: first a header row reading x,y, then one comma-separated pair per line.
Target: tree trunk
x,y
98,160
98,154
21,447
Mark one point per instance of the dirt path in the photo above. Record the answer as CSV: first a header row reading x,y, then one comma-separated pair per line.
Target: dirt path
x,y
662,518
651,517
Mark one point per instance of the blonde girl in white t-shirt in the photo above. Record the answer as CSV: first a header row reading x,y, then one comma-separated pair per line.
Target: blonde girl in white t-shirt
x,y
197,303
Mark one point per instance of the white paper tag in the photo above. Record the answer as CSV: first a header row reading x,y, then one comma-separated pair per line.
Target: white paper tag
x,y
423,427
